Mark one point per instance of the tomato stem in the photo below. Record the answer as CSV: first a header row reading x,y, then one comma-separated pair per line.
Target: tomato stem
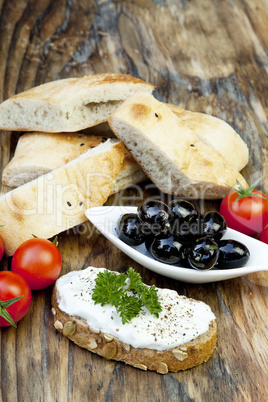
x,y
3,312
56,241
246,192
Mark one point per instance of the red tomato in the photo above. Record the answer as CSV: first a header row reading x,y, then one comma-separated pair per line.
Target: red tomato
x,y
11,286
38,261
264,235
248,214
1,248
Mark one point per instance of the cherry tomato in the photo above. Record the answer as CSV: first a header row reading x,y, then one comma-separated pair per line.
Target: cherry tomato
x,y
13,286
245,210
264,234
1,248
38,261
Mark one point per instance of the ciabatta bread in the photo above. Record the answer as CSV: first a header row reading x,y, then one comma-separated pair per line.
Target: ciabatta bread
x,y
39,153
177,160
70,104
183,336
216,133
57,201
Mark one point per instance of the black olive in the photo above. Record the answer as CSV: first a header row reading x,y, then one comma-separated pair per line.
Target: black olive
x,y
232,254
187,232
183,210
203,255
148,242
155,215
152,230
214,225
129,230
167,249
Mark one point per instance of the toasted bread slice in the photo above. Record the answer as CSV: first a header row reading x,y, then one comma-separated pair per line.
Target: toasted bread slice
x,y
39,153
216,133
57,201
176,159
70,104
183,336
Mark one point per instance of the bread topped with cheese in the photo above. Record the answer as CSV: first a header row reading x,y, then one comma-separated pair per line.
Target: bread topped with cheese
x,y
182,336
69,104
173,156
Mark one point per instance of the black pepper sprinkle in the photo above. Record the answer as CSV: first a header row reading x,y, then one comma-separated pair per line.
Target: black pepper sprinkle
x,y
92,147
192,145
81,145
104,139
69,204
156,115
81,203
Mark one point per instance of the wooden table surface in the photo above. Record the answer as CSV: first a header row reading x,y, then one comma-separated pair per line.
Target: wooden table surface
x,y
205,55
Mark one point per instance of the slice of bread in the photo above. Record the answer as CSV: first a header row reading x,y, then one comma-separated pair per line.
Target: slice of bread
x,y
39,153
183,336
70,104
130,174
175,158
57,201
216,133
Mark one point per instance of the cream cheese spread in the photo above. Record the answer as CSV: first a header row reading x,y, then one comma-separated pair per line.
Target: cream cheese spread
x,y
181,320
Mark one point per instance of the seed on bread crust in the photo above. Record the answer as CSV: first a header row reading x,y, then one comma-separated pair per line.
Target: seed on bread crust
x,y
92,344
108,337
179,354
140,366
109,350
94,331
162,368
69,328
58,325
53,311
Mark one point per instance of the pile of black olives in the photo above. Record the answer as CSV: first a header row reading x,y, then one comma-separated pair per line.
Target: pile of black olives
x,y
177,234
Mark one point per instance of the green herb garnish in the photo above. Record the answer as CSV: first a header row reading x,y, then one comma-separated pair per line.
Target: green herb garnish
x,y
126,292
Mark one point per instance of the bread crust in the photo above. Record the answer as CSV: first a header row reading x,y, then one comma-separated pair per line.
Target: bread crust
x,y
70,104
39,153
216,133
57,201
188,355
172,155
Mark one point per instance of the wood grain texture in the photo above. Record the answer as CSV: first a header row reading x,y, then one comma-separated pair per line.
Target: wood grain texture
x,y
205,55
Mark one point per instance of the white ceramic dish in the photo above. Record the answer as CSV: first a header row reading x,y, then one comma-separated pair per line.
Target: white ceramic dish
x,y
105,219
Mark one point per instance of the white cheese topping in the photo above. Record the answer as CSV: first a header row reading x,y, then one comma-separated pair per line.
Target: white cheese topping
x,y
181,320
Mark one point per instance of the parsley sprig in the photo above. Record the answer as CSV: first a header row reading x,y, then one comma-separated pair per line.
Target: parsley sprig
x,y
126,292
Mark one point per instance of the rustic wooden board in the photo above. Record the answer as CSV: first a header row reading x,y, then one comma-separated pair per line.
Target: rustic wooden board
x,y
204,55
